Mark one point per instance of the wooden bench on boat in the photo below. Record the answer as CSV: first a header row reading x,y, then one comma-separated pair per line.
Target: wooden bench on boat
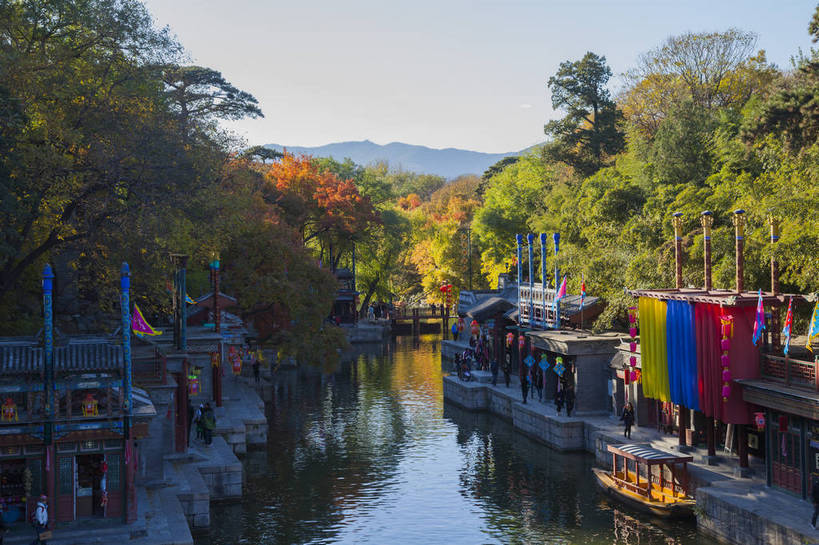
x,y
663,490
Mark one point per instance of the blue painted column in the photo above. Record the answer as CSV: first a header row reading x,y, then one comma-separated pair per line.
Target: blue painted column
x,y
125,313
49,392
543,278
530,238
556,238
519,241
129,507
48,351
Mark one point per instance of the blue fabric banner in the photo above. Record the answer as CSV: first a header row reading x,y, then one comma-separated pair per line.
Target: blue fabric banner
x,y
682,354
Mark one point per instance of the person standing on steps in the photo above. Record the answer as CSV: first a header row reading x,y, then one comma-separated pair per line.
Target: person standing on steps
x,y
569,400
494,368
255,366
524,381
197,420
507,368
208,424
40,519
628,419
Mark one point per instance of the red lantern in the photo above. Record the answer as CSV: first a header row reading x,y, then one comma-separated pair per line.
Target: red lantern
x,y
759,420
521,341
475,328
510,338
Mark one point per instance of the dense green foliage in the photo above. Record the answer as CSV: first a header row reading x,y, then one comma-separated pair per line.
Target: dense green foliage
x,y
708,125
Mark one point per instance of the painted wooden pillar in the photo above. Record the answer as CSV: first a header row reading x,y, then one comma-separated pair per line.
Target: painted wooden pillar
x,y
677,221
775,318
710,438
739,227
707,220
530,238
130,509
556,238
216,371
49,393
544,282
181,427
742,445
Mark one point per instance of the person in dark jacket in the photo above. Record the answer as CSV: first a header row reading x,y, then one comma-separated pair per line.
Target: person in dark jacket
x,y
814,494
569,400
560,397
507,368
494,368
628,419
524,381
208,424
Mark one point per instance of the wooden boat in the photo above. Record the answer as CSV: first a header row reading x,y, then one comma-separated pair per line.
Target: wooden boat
x,y
649,480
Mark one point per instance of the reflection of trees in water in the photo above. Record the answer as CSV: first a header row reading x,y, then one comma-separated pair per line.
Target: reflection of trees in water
x,y
335,441
529,491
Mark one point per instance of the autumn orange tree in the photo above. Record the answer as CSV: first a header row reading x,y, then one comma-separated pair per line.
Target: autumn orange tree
x,y
328,211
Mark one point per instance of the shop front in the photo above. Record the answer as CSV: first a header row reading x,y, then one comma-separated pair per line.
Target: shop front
x,y
89,483
20,483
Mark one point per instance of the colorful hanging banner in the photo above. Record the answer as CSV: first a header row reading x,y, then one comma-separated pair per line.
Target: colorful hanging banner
x,y
759,321
654,349
140,326
786,331
582,291
543,363
189,300
813,328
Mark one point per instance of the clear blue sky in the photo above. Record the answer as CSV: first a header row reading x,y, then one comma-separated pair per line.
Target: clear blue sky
x,y
438,73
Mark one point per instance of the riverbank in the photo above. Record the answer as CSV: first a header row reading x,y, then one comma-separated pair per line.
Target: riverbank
x,y
730,508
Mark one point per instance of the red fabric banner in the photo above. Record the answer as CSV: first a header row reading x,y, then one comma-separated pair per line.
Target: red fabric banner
x,y
744,362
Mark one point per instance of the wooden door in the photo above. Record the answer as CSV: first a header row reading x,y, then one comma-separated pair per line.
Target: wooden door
x,y
113,485
66,488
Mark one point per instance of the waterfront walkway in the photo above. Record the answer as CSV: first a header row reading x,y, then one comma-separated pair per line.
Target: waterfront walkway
x,y
742,510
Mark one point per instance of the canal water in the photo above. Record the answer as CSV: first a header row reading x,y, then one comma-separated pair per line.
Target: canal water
x,y
372,454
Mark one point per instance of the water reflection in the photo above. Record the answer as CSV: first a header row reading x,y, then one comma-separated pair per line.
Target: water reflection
x,y
370,454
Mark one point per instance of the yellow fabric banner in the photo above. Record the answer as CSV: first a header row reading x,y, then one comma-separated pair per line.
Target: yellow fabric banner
x,y
653,349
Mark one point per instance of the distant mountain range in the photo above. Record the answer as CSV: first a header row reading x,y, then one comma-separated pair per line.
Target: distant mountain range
x,y
449,162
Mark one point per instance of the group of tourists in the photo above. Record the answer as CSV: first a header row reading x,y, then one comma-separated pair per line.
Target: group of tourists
x,y
205,421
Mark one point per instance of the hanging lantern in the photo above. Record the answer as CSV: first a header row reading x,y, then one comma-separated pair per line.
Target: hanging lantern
x,y
193,382
9,411
90,406
726,329
237,364
759,420
510,338
214,359
521,341
462,324
475,328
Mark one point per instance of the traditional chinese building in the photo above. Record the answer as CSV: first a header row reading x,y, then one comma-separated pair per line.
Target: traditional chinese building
x,y
570,359
71,421
701,365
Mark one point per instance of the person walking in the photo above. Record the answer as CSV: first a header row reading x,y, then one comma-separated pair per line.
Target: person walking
x,y
454,331
255,366
814,493
524,381
208,423
190,418
559,397
628,419
507,368
494,368
569,400
197,420
538,380
40,519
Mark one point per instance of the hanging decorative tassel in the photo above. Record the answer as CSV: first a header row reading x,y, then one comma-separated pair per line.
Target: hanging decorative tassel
x,y
631,374
727,331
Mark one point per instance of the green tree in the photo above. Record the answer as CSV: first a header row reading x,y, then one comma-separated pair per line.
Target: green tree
x,y
589,132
